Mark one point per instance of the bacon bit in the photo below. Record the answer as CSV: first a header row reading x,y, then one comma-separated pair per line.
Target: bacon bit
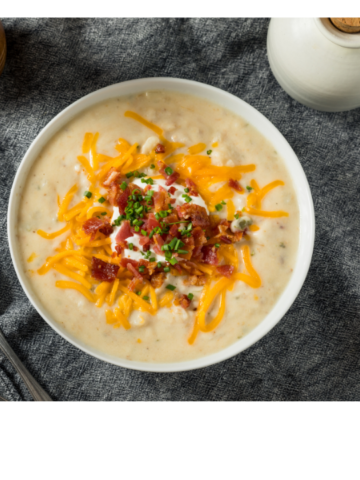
x,y
226,270
147,188
174,231
103,271
196,213
143,240
199,236
197,254
112,177
170,179
133,270
225,239
196,280
151,267
191,268
235,185
133,285
184,301
92,225
159,148
210,255
161,200
122,200
119,249
172,190
171,218
158,240
192,187
177,267
107,229
172,201
124,232
158,279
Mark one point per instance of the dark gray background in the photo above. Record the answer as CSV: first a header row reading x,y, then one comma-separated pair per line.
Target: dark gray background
x,y
313,353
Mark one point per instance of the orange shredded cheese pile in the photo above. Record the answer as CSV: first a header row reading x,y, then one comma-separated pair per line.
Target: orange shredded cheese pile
x,y
73,257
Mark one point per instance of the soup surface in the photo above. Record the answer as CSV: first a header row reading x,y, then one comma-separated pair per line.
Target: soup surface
x,y
239,181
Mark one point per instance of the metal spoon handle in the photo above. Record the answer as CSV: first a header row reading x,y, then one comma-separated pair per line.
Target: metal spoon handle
x,y
36,391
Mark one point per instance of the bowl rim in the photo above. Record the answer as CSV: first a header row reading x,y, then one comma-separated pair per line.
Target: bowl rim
x,y
240,108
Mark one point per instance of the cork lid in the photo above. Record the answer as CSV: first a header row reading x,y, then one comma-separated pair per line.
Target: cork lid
x,y
347,25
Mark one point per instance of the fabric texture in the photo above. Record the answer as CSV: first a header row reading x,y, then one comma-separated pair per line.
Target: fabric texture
x,y
314,351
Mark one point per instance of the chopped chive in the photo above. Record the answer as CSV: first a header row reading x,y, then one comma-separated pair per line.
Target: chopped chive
x,y
169,170
186,198
237,216
138,293
249,188
131,246
209,152
101,200
141,268
173,243
183,252
170,287
152,166
103,213
190,296
186,190
146,298
218,207
152,259
217,245
123,185
129,174
167,269
144,233
137,228
159,265
173,261
87,194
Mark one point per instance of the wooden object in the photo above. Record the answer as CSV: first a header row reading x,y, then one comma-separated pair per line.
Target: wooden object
x,y
2,48
347,25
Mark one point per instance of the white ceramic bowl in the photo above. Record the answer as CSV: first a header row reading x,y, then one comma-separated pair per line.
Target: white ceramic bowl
x,y
239,107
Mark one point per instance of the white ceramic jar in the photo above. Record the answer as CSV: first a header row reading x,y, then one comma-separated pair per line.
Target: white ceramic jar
x,y
315,63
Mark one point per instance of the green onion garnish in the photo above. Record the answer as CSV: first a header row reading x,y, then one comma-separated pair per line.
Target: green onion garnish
x,y
88,194
170,287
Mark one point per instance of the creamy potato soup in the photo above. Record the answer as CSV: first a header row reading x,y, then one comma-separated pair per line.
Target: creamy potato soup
x,y
158,227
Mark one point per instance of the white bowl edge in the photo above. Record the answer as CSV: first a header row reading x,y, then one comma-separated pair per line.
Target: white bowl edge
x,y
239,107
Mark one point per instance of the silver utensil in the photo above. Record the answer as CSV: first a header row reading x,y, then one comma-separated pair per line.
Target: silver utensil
x,y
36,391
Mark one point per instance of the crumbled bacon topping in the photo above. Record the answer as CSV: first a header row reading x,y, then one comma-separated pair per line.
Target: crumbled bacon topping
x,y
159,148
192,187
195,213
184,301
103,271
94,225
188,223
226,270
235,185
196,280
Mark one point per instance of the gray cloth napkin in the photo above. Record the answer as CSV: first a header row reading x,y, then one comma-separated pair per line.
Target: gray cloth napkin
x,y
313,353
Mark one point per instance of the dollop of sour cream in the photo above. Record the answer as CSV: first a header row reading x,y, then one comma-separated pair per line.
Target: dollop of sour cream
x,y
179,200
